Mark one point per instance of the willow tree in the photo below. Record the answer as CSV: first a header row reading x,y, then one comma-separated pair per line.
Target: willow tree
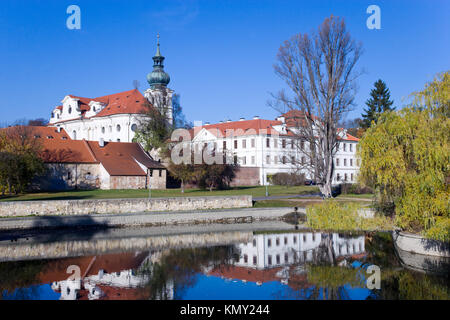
x,y
405,156
319,70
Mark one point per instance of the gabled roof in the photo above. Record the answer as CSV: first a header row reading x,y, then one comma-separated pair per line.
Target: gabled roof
x,y
66,151
127,102
38,132
240,128
119,158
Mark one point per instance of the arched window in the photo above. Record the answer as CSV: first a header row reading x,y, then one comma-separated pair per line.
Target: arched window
x,y
103,130
70,110
118,128
74,134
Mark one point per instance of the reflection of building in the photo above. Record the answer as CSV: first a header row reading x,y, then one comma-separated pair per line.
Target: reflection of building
x,y
281,257
106,277
272,250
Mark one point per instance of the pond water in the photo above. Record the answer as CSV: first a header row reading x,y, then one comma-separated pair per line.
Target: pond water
x,y
246,261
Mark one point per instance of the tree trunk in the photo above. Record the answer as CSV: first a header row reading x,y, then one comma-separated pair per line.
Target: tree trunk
x,y
182,186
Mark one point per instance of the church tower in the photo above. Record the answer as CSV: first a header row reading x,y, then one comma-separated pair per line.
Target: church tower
x,y
158,94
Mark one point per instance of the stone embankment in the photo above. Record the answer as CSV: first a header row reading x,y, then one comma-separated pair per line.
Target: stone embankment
x,y
108,206
244,215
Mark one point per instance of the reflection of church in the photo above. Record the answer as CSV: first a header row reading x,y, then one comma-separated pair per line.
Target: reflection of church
x,y
109,277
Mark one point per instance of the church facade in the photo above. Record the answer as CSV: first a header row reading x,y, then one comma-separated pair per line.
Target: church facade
x,y
115,117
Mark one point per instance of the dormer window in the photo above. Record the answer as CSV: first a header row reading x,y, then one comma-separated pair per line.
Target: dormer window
x,y
70,110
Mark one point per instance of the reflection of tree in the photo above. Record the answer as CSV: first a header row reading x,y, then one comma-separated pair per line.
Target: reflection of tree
x,y
181,266
330,281
19,274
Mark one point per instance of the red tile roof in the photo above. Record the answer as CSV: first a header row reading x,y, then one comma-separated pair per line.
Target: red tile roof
x,y
240,128
66,151
127,102
118,158
38,132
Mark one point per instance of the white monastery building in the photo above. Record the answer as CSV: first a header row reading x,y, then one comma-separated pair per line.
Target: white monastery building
x,y
265,147
114,117
262,147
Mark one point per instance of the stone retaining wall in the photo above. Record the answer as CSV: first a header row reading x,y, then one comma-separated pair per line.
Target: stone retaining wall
x,y
83,207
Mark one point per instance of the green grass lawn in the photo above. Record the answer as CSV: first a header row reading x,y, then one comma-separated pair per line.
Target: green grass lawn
x,y
255,191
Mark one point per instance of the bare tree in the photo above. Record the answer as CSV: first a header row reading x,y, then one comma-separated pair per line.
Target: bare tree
x,y
319,71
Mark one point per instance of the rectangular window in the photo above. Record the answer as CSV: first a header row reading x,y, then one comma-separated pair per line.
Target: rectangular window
x,y
351,147
269,242
338,177
345,147
268,143
269,260
224,146
345,177
351,177
345,162
292,159
303,160
302,145
275,143
275,160
253,159
283,143
284,160
235,144
160,173
244,144
255,260
337,162
244,160
292,144
253,143
268,159
351,162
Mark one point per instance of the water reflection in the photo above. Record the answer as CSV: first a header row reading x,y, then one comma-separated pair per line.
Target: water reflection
x,y
268,265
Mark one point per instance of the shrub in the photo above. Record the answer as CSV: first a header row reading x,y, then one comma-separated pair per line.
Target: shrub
x,y
332,215
354,188
288,179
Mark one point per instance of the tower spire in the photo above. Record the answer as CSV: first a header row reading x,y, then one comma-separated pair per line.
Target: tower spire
x,y
158,77
158,53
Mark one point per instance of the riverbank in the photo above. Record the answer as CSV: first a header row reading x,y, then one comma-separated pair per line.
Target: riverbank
x,y
146,219
118,206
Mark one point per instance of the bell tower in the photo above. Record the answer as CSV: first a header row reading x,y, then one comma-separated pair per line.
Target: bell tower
x,y
159,95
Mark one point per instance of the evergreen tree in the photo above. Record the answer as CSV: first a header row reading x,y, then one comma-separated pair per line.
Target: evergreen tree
x,y
377,104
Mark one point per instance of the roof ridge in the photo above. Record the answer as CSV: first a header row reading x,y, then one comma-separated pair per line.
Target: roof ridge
x,y
90,150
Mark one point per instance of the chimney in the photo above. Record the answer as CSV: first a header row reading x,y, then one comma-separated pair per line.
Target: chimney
x,y
241,119
101,143
256,118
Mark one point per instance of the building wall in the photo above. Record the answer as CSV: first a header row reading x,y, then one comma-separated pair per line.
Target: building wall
x,y
158,179
128,182
112,128
68,176
246,176
269,159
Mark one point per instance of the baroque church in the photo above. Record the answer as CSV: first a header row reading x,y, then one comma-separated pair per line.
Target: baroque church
x,y
114,117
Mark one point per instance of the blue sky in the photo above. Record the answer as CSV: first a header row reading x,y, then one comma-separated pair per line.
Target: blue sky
x,y
219,54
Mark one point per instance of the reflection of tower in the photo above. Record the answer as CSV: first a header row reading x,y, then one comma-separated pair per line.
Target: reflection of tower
x,y
158,94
